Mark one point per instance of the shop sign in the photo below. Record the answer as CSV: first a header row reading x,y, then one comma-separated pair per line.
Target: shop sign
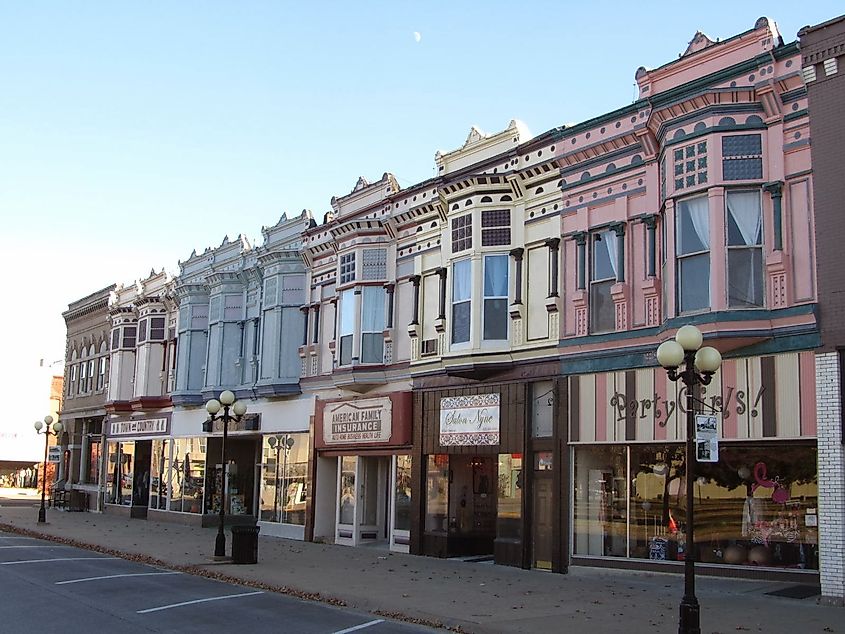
x,y
145,426
469,420
366,420
54,454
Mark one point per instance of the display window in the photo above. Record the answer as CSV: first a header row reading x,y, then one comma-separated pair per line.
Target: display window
x,y
284,478
756,506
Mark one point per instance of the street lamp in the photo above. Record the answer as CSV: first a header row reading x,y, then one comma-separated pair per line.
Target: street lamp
x,y
238,408
57,429
697,367
284,442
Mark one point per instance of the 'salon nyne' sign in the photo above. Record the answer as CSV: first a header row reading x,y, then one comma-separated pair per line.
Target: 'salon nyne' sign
x,y
469,420
366,420
144,426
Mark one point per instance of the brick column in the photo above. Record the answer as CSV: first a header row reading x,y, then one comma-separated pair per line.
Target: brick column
x,y
831,479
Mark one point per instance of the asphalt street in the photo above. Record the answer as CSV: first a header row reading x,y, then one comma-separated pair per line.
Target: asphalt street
x,y
47,587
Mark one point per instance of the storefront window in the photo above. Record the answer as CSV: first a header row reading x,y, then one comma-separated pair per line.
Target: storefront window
x,y
92,465
756,506
402,521
509,509
284,478
187,475
347,489
127,468
159,470
600,501
437,493
113,474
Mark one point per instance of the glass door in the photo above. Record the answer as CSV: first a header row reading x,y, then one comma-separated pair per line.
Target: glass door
x,y
400,531
542,509
345,532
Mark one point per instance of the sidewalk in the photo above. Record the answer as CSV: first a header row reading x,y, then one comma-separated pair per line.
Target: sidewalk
x,y
479,598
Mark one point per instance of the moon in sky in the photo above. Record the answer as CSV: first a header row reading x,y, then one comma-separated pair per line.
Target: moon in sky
x,y
417,36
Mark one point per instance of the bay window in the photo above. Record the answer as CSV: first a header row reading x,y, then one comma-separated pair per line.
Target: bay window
x,y
372,324
693,254
602,278
744,229
495,327
461,300
347,325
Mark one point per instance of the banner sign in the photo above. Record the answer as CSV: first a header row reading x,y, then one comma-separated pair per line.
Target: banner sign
x,y
469,420
706,438
144,426
364,420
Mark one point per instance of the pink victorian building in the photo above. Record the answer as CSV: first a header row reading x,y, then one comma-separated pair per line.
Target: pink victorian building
x,y
550,269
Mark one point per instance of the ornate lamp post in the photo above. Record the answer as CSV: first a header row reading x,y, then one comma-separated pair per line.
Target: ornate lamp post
x,y
281,443
697,366
57,429
238,408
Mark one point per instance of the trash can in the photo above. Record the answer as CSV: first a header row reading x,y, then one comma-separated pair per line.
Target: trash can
x,y
245,544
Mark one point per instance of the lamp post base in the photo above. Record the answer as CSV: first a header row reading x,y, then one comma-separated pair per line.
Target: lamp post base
x,y
42,516
220,545
689,613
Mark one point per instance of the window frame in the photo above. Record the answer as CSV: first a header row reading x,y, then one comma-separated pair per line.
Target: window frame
x,y
346,299
467,300
497,298
379,333
595,237
760,246
679,257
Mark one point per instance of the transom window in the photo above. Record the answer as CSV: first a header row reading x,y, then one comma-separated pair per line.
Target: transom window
x,y
745,249
742,157
461,233
602,278
690,165
347,268
693,254
495,227
495,297
461,300
373,264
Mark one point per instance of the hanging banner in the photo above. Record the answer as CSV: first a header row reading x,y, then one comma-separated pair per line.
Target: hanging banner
x,y
469,420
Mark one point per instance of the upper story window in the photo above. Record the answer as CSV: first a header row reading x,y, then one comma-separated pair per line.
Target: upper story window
x,y
692,238
495,297
346,273
129,333
373,265
346,324
690,165
603,273
461,300
495,228
101,373
83,377
89,383
115,339
744,228
142,331
157,329
742,157
372,324
461,233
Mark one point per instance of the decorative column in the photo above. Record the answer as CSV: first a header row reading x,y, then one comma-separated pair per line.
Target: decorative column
x,y
414,326
388,324
651,286
777,261
579,298
516,307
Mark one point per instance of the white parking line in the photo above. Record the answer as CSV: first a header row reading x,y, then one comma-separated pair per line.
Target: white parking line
x,y
41,561
4,537
360,627
179,605
33,546
128,574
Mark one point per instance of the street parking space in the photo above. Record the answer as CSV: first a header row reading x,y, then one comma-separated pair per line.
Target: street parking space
x,y
102,591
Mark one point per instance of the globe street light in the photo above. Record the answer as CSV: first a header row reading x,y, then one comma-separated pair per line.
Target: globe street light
x,y
281,443
227,403
697,368
56,430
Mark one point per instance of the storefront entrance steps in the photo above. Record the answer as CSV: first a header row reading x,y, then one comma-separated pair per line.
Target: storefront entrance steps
x,y
477,597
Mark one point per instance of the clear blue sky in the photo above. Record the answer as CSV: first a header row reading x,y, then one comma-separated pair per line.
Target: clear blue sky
x,y
132,133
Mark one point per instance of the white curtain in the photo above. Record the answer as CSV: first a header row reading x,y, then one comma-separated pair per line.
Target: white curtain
x,y
700,217
461,280
372,310
347,312
744,208
611,243
496,276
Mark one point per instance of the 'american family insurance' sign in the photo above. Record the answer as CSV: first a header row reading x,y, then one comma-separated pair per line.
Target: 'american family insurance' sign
x,y
145,426
469,420
366,420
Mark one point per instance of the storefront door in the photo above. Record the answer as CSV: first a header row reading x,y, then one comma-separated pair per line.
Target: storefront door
x,y
363,500
542,526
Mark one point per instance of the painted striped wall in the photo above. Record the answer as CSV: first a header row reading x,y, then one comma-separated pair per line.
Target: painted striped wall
x,y
758,397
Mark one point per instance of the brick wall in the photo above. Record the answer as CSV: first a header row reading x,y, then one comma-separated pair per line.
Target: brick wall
x,y
831,478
